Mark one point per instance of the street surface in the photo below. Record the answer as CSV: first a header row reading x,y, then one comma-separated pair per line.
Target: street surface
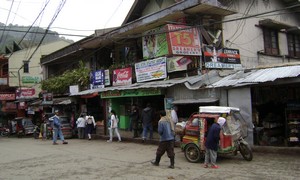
x,y
28,158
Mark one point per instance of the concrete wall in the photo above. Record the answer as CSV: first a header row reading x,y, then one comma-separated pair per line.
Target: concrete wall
x,y
154,7
248,38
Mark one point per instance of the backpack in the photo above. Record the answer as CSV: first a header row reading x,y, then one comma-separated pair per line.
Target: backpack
x,y
89,120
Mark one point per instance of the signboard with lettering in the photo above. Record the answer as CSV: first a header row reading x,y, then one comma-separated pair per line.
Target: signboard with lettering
x,y
25,93
224,58
106,77
131,93
122,77
151,69
178,63
98,78
31,79
7,97
171,39
183,40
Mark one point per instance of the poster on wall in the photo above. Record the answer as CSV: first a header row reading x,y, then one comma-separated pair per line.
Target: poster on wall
x,y
155,43
183,40
25,93
151,69
122,77
178,63
223,58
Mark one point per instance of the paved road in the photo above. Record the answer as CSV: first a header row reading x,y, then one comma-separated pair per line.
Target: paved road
x,y
28,158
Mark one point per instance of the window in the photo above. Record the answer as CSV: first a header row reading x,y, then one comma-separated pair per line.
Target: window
x,y
293,45
271,41
26,66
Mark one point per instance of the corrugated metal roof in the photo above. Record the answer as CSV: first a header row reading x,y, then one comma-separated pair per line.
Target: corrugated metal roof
x,y
242,78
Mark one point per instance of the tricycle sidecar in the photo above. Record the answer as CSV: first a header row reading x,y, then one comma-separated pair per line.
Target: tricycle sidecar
x,y
231,136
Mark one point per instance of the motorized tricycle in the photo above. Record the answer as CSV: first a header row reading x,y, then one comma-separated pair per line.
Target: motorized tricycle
x,y
232,133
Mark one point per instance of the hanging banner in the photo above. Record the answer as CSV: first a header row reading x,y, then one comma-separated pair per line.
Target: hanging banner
x,y
151,69
183,40
178,63
122,77
224,58
8,96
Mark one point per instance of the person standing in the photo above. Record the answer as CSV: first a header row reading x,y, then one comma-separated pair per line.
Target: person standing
x,y
44,128
56,126
134,117
166,143
113,126
212,142
174,116
147,118
81,126
90,123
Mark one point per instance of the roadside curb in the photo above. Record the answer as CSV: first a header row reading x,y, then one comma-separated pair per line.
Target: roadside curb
x,y
277,150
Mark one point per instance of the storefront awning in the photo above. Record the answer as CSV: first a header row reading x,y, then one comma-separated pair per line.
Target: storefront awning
x,y
195,101
56,101
152,84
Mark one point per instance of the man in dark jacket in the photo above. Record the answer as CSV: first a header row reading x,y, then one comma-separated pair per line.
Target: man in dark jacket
x,y
134,118
147,118
212,142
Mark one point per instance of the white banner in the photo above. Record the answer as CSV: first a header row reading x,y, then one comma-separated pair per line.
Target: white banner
x,y
151,69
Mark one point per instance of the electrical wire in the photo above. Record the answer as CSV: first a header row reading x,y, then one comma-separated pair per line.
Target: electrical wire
x,y
12,3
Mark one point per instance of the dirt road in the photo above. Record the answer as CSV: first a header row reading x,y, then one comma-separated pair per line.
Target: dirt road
x,y
28,158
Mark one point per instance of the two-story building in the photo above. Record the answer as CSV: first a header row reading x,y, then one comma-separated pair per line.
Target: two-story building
x,y
193,53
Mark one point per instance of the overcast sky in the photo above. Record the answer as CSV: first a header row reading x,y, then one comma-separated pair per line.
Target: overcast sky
x,y
77,17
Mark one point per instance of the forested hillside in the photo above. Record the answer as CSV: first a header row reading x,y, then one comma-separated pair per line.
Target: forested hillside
x,y
14,33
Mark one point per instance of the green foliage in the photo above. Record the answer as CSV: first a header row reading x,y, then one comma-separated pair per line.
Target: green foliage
x,y
60,84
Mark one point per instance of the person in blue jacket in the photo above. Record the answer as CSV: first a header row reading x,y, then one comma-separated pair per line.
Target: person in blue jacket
x,y
166,143
212,143
56,125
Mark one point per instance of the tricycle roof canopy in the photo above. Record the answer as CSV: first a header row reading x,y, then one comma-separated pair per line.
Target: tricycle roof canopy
x,y
217,109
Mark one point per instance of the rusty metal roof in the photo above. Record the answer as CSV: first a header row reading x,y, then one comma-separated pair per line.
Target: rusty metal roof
x,y
255,76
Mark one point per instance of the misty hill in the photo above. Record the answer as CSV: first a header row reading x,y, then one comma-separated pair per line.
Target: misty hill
x,y
13,36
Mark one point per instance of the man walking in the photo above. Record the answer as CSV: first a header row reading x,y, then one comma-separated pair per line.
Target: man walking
x,y
166,143
147,118
56,125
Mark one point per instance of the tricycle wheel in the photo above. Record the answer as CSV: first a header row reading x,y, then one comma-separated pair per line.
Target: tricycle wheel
x,y
246,152
192,153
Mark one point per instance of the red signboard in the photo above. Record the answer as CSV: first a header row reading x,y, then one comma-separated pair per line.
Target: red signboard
x,y
183,40
8,96
122,76
25,93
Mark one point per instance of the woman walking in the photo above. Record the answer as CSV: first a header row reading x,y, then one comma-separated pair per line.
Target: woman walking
x,y
113,126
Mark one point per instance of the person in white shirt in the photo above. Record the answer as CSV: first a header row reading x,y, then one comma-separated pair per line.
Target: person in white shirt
x,y
174,116
113,126
90,124
81,126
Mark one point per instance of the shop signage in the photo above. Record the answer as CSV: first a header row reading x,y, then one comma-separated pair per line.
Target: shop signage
x,y
221,58
155,43
106,77
171,39
131,93
98,78
151,69
22,105
178,63
31,79
25,93
183,40
7,97
74,89
10,106
122,77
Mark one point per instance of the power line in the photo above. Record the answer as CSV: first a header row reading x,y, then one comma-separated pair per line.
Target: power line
x,y
1,29
12,3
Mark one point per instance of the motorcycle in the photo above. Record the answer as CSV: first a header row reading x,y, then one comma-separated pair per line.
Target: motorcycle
x,y
4,131
36,132
232,135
